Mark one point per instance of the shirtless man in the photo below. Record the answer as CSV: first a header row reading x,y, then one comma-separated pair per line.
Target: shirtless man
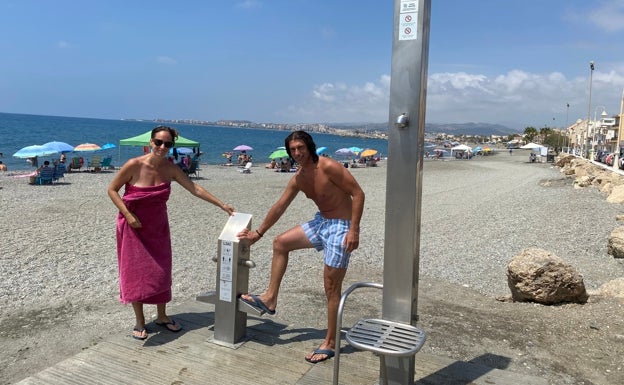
x,y
335,229
3,166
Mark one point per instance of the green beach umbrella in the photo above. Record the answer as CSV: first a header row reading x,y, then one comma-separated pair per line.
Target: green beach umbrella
x,y
278,154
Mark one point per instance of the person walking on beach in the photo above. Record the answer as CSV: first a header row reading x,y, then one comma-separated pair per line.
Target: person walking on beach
x,y
143,239
334,229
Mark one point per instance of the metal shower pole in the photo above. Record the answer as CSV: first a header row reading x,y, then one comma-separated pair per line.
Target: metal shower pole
x,y
410,50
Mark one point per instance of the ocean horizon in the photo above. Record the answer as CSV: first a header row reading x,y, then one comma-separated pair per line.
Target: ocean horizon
x,y
21,130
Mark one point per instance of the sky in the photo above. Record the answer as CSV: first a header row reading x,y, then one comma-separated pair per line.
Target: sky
x,y
515,63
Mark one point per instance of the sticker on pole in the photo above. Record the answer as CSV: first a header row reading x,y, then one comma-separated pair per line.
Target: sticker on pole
x,y
225,272
408,20
409,6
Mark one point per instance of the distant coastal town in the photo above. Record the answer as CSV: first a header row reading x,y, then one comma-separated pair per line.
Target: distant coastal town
x,y
376,131
464,132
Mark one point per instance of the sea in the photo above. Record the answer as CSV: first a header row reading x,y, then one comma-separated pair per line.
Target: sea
x,y
20,130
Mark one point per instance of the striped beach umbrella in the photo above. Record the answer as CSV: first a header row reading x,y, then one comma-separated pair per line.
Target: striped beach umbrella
x,y
87,147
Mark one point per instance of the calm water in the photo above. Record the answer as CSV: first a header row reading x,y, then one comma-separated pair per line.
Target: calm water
x,y
18,131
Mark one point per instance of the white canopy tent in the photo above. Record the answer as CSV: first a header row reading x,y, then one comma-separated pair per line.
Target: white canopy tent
x,y
531,146
461,147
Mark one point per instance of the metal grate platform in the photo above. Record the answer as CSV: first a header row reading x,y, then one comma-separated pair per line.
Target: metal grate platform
x,y
386,337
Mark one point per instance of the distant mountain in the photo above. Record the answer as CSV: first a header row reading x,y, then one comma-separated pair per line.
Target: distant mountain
x,y
483,129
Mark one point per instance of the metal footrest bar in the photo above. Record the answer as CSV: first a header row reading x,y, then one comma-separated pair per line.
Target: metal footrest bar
x,y
383,337
386,337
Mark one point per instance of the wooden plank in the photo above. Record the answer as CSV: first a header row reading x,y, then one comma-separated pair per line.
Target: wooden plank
x,y
273,354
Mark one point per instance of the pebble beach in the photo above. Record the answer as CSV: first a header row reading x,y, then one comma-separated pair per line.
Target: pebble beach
x,y
59,263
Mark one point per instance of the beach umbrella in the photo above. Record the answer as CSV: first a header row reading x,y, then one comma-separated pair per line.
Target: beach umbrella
x,y
368,152
243,147
108,146
87,147
182,150
34,151
320,150
59,146
344,152
355,149
278,154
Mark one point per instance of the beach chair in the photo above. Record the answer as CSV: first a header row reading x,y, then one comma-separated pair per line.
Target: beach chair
x,y
46,176
194,169
59,172
246,169
76,163
95,164
106,162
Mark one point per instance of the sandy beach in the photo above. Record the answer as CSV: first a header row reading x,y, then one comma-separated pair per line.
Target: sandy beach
x,y
59,289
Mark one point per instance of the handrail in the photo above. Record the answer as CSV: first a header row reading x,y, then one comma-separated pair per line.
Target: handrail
x,y
343,299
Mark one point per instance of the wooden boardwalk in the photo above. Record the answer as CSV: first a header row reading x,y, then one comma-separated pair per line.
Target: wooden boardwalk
x,y
273,354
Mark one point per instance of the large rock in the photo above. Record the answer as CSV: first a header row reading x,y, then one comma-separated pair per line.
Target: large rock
x,y
583,181
538,276
615,243
614,288
617,195
564,160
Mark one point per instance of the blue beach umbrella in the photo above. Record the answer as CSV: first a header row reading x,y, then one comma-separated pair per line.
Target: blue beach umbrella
x,y
320,150
108,146
59,147
182,151
34,151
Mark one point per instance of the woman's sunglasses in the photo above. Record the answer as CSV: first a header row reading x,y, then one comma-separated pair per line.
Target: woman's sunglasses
x,y
158,143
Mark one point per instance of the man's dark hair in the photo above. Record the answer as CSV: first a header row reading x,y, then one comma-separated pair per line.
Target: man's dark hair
x,y
307,139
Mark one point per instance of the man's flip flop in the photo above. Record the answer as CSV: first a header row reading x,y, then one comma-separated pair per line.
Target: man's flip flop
x,y
167,325
258,304
327,352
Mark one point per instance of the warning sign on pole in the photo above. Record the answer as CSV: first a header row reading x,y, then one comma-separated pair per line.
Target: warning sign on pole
x,y
408,19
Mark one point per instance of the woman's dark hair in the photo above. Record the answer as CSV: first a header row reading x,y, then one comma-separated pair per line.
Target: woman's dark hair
x,y
172,131
307,139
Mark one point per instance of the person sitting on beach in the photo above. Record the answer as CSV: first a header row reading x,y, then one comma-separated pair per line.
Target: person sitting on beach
x,y
143,237
45,167
184,163
285,165
59,170
335,229
3,166
44,173
272,164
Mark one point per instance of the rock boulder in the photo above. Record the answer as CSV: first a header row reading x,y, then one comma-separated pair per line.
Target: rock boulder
x,y
536,275
615,243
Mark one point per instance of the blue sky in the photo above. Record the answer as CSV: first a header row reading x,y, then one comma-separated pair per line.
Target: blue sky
x,y
517,63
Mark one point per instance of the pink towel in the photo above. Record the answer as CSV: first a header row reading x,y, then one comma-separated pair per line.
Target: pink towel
x,y
144,254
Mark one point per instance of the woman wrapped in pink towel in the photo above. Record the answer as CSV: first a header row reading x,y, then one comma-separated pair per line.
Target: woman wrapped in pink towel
x,y
143,238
